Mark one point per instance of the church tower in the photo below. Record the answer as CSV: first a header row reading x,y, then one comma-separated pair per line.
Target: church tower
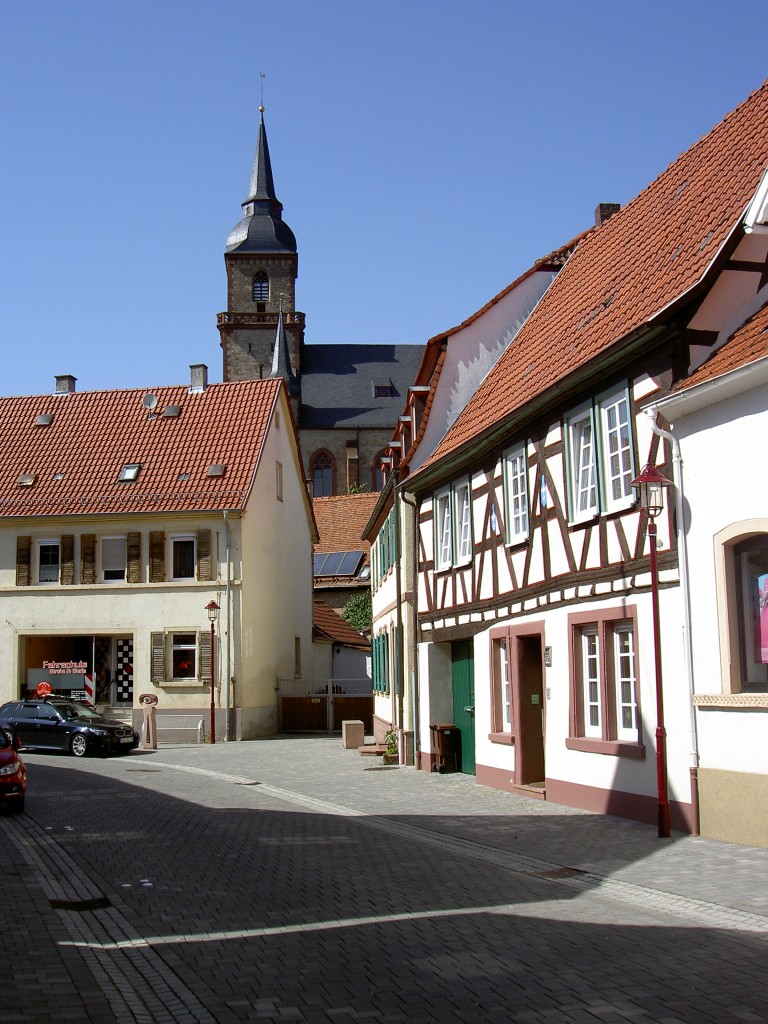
x,y
261,331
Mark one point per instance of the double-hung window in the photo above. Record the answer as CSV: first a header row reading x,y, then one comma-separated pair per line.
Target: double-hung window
x,y
443,530
48,561
604,691
516,494
463,514
599,456
452,511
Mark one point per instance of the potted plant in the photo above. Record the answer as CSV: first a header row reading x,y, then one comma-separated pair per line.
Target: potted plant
x,y
391,755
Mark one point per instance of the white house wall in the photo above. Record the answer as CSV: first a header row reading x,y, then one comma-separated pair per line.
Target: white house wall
x,y
472,351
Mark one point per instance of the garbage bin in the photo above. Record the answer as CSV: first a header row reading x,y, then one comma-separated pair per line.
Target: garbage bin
x,y
446,739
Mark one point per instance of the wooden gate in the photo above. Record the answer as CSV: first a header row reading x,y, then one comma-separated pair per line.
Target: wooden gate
x,y
322,705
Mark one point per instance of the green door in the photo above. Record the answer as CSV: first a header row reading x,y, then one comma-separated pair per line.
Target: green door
x,y
463,680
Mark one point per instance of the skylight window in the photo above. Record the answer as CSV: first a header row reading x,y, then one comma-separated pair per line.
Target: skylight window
x,y
57,476
216,470
44,419
171,411
26,479
183,476
129,472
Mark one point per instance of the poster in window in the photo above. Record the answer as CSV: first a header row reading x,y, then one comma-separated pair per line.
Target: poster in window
x,y
760,606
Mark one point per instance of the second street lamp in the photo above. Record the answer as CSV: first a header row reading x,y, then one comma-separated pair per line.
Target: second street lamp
x,y
650,486
213,613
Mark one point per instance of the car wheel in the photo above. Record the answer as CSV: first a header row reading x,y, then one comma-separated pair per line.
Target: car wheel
x,y
78,745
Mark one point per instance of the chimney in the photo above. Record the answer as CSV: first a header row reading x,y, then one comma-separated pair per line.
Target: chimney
x,y
198,377
65,384
605,211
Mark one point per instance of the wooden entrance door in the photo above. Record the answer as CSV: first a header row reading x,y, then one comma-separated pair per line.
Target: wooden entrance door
x,y
529,741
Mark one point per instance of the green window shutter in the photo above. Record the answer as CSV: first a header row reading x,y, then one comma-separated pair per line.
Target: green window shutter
x,y
133,551
157,657
203,549
23,556
385,648
397,659
87,558
204,659
156,556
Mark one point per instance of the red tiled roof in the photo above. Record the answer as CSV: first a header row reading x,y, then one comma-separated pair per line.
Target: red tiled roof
x,y
625,273
93,434
329,624
748,343
341,521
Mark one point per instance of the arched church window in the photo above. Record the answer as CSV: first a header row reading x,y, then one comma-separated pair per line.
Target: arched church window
x,y
322,466
260,286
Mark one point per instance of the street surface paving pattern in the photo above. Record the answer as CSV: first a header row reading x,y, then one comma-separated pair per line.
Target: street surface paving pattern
x,y
292,880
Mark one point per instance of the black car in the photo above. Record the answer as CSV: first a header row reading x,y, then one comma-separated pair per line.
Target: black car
x,y
56,724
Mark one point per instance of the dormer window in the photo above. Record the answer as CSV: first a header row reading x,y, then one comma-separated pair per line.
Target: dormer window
x,y
129,472
260,287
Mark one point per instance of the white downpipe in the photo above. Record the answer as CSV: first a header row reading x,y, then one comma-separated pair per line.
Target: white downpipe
x,y
228,690
682,548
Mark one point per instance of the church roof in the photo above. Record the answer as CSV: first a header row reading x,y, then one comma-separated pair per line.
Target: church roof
x,y
64,454
262,228
356,385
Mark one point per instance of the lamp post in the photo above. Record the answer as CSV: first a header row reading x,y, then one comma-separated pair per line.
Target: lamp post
x,y
650,486
213,613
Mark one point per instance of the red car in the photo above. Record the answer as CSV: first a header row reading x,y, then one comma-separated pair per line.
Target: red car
x,y
13,774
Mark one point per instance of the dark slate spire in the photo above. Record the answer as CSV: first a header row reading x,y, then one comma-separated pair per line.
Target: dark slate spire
x,y
281,360
262,228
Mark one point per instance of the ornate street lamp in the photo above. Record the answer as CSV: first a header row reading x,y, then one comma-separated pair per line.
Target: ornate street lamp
x,y
650,486
213,613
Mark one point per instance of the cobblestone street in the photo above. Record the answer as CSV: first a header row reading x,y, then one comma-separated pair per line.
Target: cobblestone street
x,y
292,880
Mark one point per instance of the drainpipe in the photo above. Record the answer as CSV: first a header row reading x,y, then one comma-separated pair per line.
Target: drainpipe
x,y
400,680
227,699
682,547
414,625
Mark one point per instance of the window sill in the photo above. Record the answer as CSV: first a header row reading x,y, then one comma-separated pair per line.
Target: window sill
x,y
615,748
505,738
196,683
731,700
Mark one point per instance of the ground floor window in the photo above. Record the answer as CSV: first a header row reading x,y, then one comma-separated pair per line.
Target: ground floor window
x,y
184,655
751,599
605,715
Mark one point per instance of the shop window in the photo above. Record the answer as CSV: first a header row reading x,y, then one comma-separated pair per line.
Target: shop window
x,y
605,715
183,557
114,554
747,613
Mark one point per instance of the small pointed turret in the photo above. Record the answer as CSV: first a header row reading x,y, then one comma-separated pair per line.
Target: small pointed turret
x,y
281,360
262,228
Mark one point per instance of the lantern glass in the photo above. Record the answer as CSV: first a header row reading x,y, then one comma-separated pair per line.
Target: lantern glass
x,y
213,611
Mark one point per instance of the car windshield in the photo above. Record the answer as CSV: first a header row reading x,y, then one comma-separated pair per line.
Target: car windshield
x,y
4,740
72,712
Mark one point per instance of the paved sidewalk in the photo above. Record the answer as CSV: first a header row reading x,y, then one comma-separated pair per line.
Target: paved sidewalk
x,y
292,880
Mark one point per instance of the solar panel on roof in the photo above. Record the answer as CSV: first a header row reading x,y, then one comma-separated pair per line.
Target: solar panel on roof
x,y
337,563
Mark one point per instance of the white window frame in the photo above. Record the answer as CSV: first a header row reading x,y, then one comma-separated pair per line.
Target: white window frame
x,y
53,542
591,681
442,518
505,685
582,465
625,672
175,646
104,569
516,494
462,518
173,540
616,444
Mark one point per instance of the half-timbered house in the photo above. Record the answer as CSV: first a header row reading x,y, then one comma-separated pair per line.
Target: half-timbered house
x,y
453,365
534,596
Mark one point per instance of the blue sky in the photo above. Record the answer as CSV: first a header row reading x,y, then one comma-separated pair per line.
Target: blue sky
x,y
426,153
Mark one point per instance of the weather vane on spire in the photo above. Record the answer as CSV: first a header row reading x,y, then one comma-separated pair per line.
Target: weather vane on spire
x,y
262,76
